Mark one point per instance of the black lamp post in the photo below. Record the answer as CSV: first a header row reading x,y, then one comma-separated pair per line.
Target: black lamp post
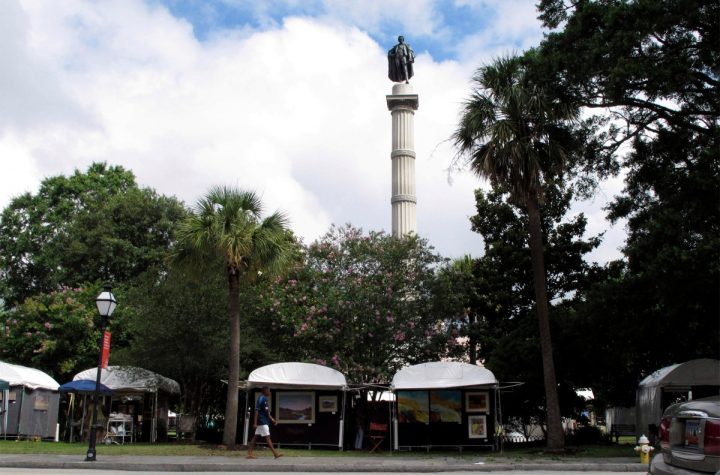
x,y
106,304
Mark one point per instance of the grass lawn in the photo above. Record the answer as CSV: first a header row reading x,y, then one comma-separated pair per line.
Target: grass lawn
x,y
170,449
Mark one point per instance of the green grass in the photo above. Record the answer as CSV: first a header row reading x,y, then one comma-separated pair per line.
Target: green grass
x,y
175,449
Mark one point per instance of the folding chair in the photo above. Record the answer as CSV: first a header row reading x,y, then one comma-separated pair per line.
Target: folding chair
x,y
377,433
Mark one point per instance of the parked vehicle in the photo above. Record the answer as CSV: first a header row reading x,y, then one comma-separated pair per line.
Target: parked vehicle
x,y
689,439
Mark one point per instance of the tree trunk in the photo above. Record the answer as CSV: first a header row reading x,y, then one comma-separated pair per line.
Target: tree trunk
x,y
555,438
472,340
231,408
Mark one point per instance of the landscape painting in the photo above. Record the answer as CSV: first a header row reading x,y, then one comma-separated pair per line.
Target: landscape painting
x,y
446,406
413,406
477,401
295,408
328,404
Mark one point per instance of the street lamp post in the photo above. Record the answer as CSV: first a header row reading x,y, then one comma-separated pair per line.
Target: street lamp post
x,y
106,304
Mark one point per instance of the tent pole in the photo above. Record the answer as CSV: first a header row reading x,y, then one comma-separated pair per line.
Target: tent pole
x,y
342,420
153,433
247,419
498,409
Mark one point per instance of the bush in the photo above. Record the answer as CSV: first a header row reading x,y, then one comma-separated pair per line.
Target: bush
x,y
587,435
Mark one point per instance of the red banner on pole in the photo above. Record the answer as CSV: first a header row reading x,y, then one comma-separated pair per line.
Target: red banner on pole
x,y
106,349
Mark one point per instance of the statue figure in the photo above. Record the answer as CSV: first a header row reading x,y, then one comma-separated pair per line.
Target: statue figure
x,y
400,62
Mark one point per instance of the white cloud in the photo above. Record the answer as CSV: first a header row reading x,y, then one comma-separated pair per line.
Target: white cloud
x,y
296,112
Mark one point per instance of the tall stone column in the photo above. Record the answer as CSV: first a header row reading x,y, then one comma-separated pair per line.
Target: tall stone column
x,y
402,105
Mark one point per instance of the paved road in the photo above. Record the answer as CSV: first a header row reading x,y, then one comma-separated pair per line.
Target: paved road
x,y
31,471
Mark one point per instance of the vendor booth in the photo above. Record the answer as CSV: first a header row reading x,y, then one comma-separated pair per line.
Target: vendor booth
x,y
307,400
445,404
139,402
30,404
78,417
679,382
4,391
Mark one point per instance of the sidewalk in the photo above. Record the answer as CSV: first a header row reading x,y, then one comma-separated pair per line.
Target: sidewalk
x,y
265,463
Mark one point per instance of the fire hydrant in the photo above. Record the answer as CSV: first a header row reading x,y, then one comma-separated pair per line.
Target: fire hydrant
x,y
644,448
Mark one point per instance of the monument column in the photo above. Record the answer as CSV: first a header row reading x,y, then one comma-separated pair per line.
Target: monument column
x,y
402,105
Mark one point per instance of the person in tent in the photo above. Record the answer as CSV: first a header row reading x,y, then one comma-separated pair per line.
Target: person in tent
x,y
262,422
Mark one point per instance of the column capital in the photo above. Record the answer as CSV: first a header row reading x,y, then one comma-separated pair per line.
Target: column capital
x,y
402,101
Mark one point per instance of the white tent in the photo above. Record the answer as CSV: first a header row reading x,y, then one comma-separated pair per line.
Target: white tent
x,y
130,378
677,378
30,406
17,375
465,380
306,375
296,377
442,374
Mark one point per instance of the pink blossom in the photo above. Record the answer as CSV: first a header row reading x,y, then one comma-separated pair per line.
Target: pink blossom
x,y
48,326
400,336
336,361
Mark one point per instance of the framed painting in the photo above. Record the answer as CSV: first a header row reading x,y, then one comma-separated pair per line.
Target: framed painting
x,y
446,406
478,401
327,404
295,407
477,427
413,407
42,403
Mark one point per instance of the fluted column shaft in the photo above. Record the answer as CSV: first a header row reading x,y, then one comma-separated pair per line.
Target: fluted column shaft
x,y
402,105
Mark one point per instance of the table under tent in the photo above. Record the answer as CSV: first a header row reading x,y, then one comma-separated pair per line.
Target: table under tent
x,y
139,402
679,382
79,415
30,404
307,400
445,404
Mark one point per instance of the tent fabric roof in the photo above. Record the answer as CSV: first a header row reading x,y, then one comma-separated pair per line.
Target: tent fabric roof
x,y
442,374
700,372
17,375
130,378
84,386
306,375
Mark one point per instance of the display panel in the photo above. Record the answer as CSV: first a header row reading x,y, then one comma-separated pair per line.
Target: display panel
x,y
327,403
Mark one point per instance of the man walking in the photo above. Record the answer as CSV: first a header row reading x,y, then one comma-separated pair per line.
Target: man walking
x,y
261,423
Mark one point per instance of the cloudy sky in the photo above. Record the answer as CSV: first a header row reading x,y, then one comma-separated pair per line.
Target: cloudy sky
x,y
286,98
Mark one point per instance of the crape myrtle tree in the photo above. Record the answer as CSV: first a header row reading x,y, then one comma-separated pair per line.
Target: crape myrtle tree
x,y
647,71
361,303
513,133
227,226
58,332
92,226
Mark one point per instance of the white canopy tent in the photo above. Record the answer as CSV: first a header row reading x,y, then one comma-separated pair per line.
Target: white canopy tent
x,y
296,376
677,378
21,418
17,375
439,376
130,379
289,375
442,374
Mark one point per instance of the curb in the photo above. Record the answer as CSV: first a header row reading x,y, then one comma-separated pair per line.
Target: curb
x,y
322,468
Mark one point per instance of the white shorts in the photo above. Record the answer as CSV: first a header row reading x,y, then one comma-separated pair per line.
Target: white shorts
x,y
262,431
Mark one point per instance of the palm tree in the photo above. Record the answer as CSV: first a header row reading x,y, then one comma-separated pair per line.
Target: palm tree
x,y
512,133
227,224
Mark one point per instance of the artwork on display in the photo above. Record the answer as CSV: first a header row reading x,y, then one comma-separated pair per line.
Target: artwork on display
x,y
327,404
477,401
413,406
295,408
477,427
446,406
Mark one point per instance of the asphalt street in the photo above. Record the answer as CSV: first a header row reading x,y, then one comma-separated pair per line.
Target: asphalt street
x,y
30,471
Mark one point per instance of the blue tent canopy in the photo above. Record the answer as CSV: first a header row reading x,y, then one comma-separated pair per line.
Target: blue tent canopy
x,y
84,386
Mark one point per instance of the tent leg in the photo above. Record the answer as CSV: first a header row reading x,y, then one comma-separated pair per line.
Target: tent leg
x,y
342,421
247,417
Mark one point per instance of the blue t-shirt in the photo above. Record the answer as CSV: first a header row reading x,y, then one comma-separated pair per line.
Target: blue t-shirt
x,y
263,411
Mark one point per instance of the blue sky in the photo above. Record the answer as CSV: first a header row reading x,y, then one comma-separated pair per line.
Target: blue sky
x,y
286,98
449,21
